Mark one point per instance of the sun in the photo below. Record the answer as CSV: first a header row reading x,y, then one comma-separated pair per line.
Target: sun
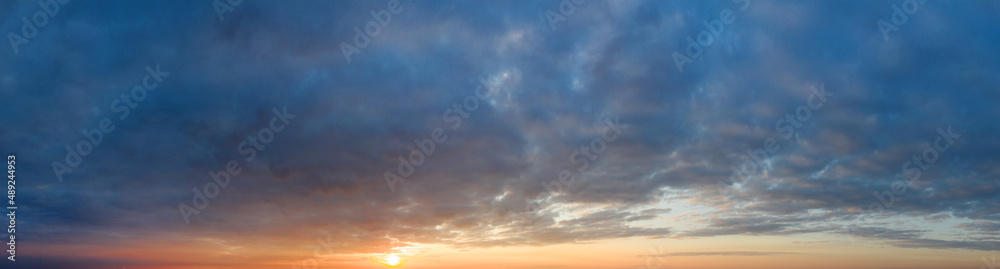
x,y
391,260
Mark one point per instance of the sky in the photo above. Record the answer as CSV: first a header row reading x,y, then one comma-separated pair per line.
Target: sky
x,y
502,134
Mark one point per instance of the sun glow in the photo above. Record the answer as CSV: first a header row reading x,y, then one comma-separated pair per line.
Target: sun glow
x,y
397,256
391,260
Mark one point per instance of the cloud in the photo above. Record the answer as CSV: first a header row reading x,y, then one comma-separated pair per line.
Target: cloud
x,y
324,174
721,253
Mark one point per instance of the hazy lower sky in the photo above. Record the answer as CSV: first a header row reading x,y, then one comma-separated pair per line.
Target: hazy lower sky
x,y
503,134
